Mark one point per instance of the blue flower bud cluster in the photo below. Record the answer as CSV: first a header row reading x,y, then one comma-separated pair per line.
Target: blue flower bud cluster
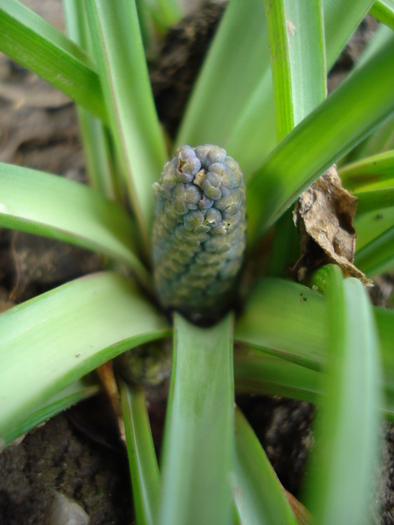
x,y
199,233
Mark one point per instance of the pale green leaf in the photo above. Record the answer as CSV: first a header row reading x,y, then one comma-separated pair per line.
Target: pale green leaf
x,y
258,494
144,470
198,440
52,206
92,129
342,470
133,119
52,340
340,21
236,62
165,12
260,373
302,338
30,40
74,393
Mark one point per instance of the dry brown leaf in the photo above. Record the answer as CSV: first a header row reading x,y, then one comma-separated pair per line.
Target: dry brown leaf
x,y
324,214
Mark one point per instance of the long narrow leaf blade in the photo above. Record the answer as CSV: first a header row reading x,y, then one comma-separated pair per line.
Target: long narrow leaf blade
x,y
378,255
376,199
60,336
78,391
34,43
351,112
43,204
92,129
371,170
258,494
198,440
339,483
253,136
340,21
302,337
259,373
383,11
133,119
237,61
144,470
370,225
296,37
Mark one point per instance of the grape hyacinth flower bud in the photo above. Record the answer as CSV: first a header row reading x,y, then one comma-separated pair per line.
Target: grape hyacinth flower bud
x,y
199,233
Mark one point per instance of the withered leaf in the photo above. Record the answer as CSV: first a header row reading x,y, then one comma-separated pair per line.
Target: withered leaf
x,y
324,214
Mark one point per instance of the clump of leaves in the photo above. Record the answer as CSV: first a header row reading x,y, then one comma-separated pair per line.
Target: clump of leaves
x,y
261,95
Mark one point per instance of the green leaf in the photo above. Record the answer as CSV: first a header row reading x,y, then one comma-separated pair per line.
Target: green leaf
x,y
55,207
350,113
83,324
74,393
339,482
237,61
377,256
92,129
368,171
302,339
144,470
133,119
296,36
256,372
165,12
340,21
198,439
383,11
252,138
379,40
258,494
376,199
369,226
34,43
253,135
